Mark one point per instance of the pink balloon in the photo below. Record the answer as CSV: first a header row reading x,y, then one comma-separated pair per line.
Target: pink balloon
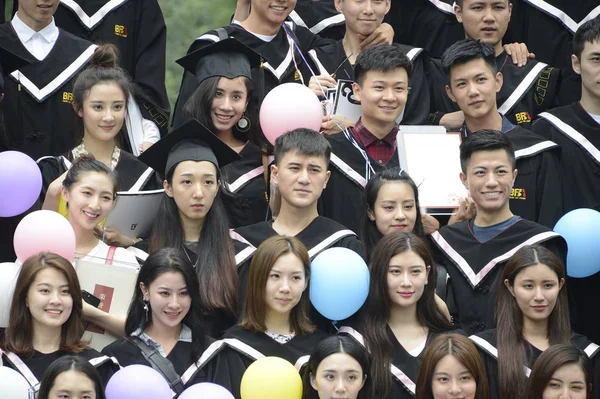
x,y
287,107
44,231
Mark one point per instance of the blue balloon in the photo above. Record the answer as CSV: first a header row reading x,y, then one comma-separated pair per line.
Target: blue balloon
x,y
339,283
580,229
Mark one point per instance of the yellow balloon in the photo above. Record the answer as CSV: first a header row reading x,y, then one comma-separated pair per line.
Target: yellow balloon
x,y
271,378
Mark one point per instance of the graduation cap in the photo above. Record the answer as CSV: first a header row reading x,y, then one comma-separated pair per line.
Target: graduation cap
x,y
9,62
191,141
228,58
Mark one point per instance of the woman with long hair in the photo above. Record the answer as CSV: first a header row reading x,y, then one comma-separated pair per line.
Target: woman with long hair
x,y
192,217
338,367
275,321
46,320
400,316
100,98
165,317
452,368
532,314
224,102
71,376
562,371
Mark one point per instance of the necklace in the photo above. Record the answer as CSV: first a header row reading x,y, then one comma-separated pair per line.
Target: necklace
x,y
185,252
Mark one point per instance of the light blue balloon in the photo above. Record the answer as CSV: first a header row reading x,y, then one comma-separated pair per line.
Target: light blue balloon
x,y
339,283
581,229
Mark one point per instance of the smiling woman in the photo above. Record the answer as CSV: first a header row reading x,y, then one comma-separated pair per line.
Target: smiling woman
x,y
46,320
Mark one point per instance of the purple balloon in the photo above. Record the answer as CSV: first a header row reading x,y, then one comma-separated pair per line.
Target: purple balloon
x,y
206,390
20,183
138,381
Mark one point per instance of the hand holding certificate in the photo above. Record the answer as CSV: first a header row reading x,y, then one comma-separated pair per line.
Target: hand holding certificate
x,y
432,159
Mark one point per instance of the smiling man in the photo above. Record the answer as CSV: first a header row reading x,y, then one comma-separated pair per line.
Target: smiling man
x,y
473,82
527,89
575,127
37,103
475,251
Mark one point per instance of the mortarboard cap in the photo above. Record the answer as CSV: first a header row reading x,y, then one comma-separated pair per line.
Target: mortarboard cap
x,y
228,58
191,141
9,62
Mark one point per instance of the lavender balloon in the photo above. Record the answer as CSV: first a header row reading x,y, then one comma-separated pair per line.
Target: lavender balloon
x,y
138,381
20,183
206,390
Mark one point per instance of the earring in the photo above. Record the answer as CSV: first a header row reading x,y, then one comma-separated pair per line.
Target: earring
x,y
146,303
243,124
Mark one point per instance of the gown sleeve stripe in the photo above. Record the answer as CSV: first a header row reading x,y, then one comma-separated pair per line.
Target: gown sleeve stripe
x,y
522,88
348,171
573,134
91,22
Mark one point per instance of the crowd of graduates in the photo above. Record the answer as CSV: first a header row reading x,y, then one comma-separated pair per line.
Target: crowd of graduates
x,y
480,304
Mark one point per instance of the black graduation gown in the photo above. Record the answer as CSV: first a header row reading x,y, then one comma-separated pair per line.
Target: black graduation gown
x,y
320,17
37,108
328,58
474,268
319,235
343,198
405,367
246,180
39,362
525,93
279,67
428,24
129,170
181,357
239,348
577,134
537,192
488,348
138,29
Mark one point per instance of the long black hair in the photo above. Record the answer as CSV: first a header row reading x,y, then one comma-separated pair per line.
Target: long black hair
x,y
215,263
330,346
66,363
369,233
199,106
168,260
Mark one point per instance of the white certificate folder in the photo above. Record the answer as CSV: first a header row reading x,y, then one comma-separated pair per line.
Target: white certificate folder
x,y
432,159
134,212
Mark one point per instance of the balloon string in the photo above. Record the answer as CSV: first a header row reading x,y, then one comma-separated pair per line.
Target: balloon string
x,y
293,45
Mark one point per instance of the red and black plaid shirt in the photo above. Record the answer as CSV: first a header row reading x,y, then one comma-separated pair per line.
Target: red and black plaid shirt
x,y
380,150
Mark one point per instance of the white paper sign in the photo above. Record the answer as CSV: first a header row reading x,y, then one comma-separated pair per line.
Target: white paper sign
x,y
114,285
433,161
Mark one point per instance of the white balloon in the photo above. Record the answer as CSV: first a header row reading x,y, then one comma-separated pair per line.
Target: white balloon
x,y
12,384
9,272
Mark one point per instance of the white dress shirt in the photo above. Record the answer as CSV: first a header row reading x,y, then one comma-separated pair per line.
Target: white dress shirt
x,y
39,44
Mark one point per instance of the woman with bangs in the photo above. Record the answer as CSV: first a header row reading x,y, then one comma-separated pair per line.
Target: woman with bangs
x,y
532,315
400,316
275,320
46,320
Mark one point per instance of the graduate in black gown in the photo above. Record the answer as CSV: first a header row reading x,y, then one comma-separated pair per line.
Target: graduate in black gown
x,y
164,323
452,368
362,19
275,319
400,315
474,252
533,313
473,82
100,102
137,28
37,107
46,321
528,88
370,146
561,369
320,17
300,174
338,367
575,128
192,217
222,103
